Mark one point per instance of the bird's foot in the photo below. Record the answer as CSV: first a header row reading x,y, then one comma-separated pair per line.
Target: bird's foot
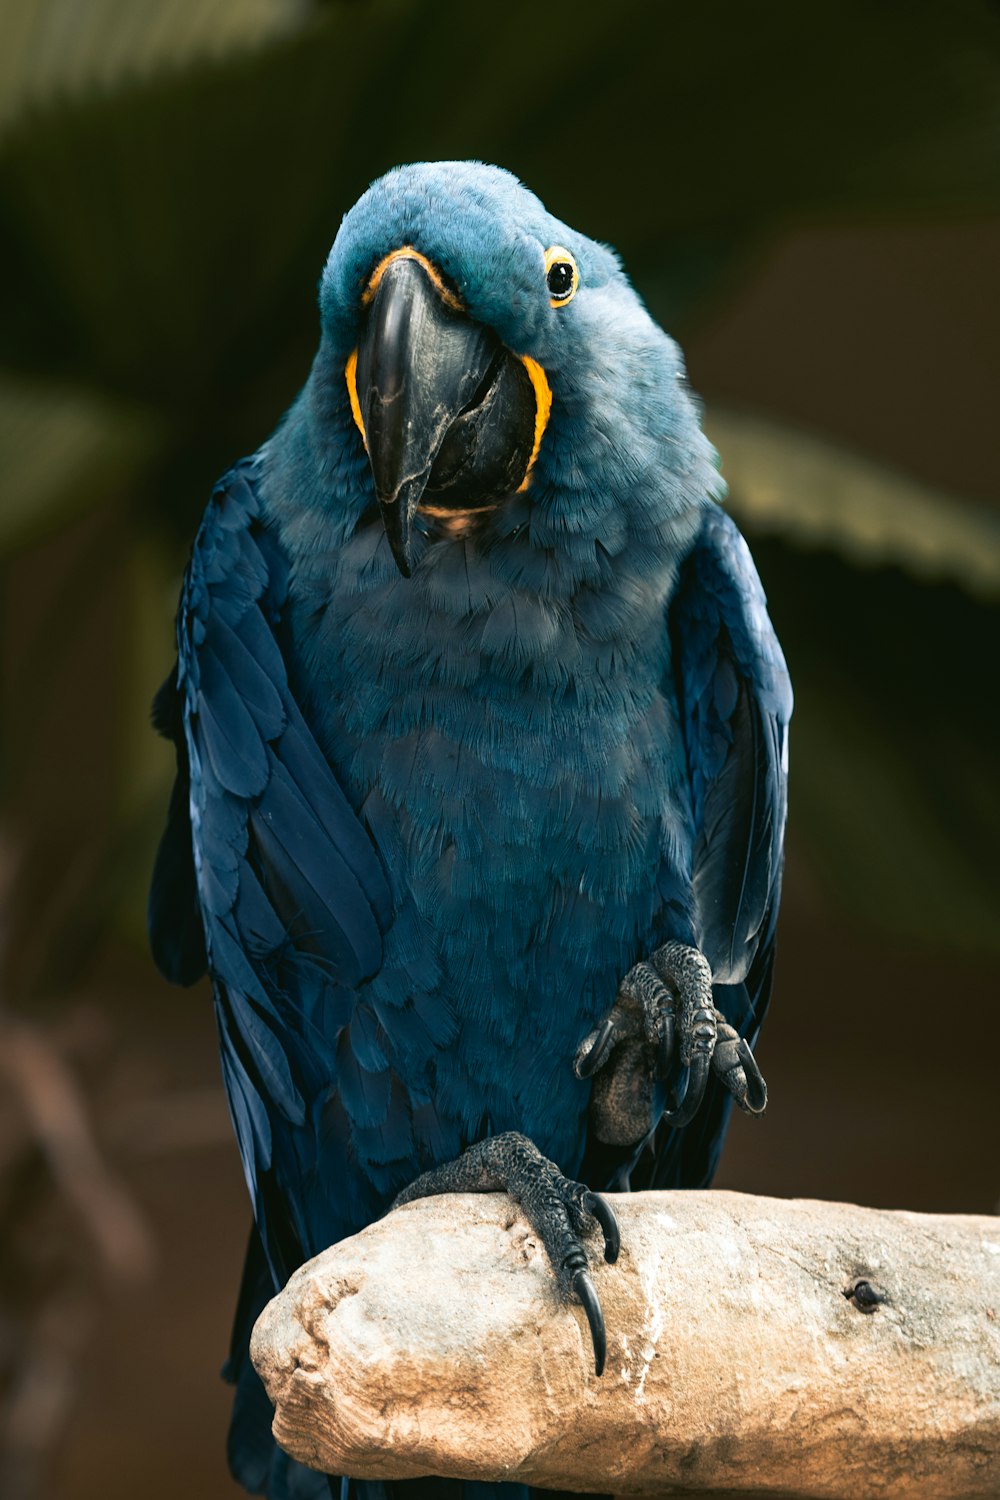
x,y
663,1018
560,1211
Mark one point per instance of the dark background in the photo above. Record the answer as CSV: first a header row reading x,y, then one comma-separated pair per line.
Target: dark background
x,y
809,198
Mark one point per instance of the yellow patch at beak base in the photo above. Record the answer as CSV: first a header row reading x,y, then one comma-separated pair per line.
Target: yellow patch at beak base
x,y
543,410
351,376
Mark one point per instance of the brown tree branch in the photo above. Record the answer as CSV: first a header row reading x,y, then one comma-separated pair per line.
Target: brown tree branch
x,y
754,1345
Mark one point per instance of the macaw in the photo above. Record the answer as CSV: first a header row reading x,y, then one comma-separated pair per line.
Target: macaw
x,y
481,734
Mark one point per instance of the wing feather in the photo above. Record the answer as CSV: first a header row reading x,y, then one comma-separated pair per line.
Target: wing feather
x,y
735,701
265,855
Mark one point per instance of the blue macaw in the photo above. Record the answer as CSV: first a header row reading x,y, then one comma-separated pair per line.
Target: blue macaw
x,y
481,740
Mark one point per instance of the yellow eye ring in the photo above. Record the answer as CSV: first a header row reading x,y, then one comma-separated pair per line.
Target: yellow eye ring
x,y
561,275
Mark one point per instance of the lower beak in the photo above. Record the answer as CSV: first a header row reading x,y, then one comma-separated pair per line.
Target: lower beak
x,y
447,412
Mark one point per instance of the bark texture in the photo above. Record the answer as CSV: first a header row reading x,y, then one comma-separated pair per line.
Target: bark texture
x,y
740,1355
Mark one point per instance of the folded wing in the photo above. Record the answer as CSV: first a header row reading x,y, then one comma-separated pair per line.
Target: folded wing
x,y
265,873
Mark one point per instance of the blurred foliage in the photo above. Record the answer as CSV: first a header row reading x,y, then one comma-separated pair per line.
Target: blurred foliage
x,y
61,48
64,450
171,178
893,774
820,494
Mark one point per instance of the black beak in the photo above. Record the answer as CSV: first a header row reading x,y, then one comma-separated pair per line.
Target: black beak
x,y
448,411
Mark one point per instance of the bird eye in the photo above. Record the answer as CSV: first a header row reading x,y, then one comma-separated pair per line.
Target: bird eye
x,y
561,276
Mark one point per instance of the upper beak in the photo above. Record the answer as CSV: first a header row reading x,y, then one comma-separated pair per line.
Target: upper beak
x,y
428,378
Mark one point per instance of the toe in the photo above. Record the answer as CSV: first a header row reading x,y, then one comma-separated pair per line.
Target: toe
x,y
736,1067
755,1100
595,1049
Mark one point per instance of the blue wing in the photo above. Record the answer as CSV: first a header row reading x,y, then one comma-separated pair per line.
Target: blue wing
x,y
735,701
265,870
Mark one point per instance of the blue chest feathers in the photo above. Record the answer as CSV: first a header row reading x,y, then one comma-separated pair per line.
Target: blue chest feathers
x,y
514,747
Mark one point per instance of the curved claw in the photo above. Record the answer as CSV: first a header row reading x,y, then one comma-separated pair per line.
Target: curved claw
x,y
587,1293
602,1211
693,1094
597,1056
756,1096
666,1040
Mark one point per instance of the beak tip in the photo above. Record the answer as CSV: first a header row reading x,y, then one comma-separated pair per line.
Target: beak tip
x,y
398,537
397,509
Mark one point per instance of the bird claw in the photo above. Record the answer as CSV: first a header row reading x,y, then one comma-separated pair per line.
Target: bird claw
x,y
686,1106
595,1053
559,1210
591,1303
664,1019
736,1067
600,1209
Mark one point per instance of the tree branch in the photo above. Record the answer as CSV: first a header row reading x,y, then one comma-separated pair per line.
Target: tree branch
x,y
754,1344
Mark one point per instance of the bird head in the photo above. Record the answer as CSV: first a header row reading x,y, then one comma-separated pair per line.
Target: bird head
x,y
465,322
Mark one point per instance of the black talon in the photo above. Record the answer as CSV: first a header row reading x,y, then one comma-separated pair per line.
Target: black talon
x,y
675,1105
605,1215
597,1055
693,1093
756,1096
667,1040
587,1293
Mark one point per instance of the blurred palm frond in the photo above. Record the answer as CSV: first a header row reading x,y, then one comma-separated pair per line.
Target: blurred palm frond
x,y
817,493
55,51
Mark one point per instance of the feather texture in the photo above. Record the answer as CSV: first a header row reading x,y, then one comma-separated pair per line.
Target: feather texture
x,y
293,897
736,703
